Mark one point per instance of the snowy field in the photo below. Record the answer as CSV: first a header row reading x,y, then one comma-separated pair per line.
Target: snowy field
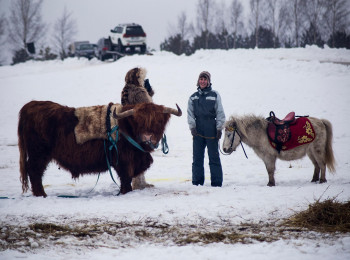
x,y
175,220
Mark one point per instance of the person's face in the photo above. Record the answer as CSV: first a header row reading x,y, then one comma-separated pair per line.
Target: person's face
x,y
203,82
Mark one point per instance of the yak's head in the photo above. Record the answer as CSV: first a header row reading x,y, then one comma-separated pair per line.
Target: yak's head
x,y
145,122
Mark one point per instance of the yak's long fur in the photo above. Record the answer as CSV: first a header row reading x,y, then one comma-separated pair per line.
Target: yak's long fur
x,y
46,133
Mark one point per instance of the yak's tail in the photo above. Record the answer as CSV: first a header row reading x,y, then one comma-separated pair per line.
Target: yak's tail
x,y
330,161
23,155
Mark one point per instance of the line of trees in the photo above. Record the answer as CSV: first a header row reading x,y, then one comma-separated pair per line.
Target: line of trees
x,y
269,24
24,29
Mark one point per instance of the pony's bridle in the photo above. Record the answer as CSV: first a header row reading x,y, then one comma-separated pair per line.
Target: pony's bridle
x,y
234,130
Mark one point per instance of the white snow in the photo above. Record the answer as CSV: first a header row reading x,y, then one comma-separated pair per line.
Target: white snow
x,y
310,81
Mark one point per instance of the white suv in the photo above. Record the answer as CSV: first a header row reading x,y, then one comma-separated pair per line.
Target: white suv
x,y
130,36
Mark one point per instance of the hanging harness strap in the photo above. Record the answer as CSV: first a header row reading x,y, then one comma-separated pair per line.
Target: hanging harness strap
x,y
165,147
112,143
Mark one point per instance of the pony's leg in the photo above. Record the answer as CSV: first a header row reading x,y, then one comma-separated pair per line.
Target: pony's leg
x,y
316,176
320,156
270,167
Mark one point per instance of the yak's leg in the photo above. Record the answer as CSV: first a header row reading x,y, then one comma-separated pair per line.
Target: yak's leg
x,y
270,167
125,184
36,167
316,176
139,182
126,178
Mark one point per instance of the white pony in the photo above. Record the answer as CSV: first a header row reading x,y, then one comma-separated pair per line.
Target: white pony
x,y
252,130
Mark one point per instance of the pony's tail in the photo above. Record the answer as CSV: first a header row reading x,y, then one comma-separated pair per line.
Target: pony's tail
x,y
23,155
330,161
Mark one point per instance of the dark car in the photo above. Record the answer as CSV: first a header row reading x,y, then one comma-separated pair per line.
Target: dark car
x,y
85,50
103,49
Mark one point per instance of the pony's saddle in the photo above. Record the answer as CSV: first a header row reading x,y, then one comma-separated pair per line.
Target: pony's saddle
x,y
278,130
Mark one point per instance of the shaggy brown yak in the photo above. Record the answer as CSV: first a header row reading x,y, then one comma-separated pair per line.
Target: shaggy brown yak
x,y
46,133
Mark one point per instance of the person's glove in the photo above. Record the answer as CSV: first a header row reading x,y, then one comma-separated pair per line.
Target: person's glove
x,y
218,134
194,131
148,86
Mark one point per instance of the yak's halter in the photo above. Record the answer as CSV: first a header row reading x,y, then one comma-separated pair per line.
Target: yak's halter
x,y
113,143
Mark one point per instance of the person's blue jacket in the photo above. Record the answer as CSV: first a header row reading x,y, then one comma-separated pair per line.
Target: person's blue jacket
x,y
205,112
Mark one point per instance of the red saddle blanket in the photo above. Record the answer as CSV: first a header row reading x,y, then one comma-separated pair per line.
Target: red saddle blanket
x,y
301,132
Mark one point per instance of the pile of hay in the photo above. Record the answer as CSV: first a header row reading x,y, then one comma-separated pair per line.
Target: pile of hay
x,y
326,216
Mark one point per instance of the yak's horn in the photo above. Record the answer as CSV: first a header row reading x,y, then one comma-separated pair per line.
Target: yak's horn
x,y
173,111
123,114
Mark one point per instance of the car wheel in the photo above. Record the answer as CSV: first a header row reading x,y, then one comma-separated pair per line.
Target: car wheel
x,y
121,48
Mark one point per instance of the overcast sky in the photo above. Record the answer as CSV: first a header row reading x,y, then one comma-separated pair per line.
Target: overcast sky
x,y
95,18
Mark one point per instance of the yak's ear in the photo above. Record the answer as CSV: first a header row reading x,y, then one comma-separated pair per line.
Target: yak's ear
x,y
123,114
168,110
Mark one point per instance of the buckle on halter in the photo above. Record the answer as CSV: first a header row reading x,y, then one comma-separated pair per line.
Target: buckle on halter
x,y
230,128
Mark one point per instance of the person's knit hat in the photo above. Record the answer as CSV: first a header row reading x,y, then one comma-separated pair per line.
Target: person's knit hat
x,y
205,74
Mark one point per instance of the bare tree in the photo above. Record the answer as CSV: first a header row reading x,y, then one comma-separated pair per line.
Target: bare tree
x,y
221,26
273,10
183,26
25,23
65,28
315,10
255,12
336,16
236,11
205,11
297,10
2,36
277,18
284,27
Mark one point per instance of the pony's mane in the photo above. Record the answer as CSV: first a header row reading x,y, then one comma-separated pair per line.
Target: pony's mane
x,y
245,121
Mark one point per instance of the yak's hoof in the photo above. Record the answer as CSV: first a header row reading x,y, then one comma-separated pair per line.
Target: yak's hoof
x,y
271,184
323,180
125,190
39,194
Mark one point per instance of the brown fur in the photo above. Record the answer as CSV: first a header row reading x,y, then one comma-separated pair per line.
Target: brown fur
x,y
252,130
46,133
92,122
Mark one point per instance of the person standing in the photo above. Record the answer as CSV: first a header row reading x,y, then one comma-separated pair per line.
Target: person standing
x,y
137,90
206,118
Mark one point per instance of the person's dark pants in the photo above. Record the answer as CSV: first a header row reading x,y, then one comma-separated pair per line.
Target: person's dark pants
x,y
199,144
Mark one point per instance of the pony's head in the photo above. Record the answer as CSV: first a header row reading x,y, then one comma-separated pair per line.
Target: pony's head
x,y
231,138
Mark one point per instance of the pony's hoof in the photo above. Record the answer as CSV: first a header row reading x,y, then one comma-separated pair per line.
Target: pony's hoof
x,y
323,180
315,180
271,184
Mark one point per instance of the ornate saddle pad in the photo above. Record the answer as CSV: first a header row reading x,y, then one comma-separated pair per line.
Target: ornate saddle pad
x,y
290,132
92,122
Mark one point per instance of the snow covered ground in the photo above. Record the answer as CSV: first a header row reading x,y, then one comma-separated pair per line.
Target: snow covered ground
x,y
174,220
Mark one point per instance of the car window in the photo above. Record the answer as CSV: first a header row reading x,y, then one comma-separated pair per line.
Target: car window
x,y
119,29
135,31
86,46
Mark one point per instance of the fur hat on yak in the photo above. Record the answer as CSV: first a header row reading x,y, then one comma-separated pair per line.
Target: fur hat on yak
x,y
134,90
206,75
